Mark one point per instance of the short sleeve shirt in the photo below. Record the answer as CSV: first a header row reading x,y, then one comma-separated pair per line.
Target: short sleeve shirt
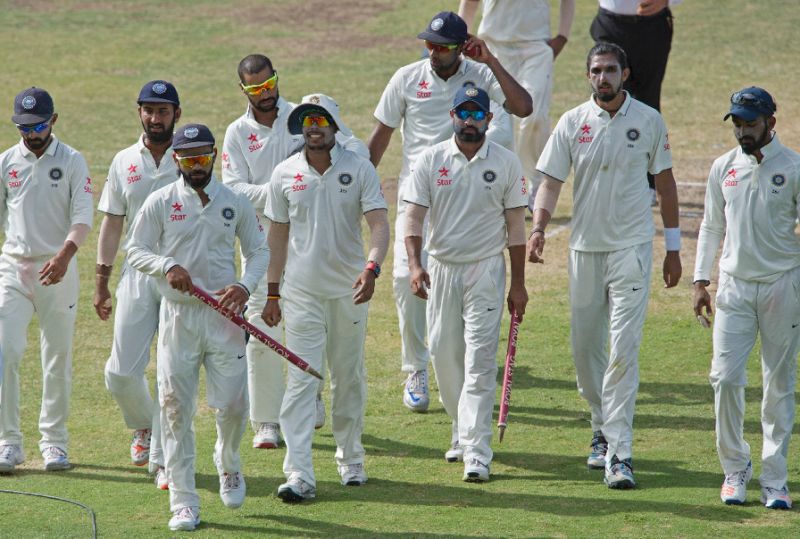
x,y
512,21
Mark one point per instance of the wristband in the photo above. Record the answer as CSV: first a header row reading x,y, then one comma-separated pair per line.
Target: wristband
x,y
374,267
672,239
274,296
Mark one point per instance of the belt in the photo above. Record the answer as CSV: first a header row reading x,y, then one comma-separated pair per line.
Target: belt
x,y
633,19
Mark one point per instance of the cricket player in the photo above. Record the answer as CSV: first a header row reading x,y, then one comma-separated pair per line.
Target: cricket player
x,y
418,98
254,145
134,173
477,197
518,33
46,207
612,141
315,203
752,200
184,236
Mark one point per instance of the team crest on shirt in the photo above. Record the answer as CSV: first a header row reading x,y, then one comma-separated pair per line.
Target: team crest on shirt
x,y
345,179
55,173
633,134
28,102
228,214
778,180
489,176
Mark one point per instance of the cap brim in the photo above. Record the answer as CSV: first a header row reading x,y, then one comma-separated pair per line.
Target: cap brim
x,y
193,144
296,126
436,38
468,100
745,113
30,119
158,100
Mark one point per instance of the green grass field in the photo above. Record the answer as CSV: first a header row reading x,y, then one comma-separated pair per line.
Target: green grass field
x,y
94,57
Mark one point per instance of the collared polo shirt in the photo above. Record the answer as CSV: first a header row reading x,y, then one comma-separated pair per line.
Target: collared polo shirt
x,y
512,21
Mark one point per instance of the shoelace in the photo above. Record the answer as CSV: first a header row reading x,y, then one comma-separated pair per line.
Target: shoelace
x,y
54,452
7,452
141,437
231,481
267,428
186,513
355,468
736,479
418,381
776,492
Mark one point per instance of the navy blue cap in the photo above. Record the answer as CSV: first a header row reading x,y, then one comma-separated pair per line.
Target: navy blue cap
x,y
750,103
446,28
472,94
32,106
159,91
192,136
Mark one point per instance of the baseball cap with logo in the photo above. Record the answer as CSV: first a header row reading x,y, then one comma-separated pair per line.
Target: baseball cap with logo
x,y
159,91
324,104
750,103
472,94
445,28
32,106
192,136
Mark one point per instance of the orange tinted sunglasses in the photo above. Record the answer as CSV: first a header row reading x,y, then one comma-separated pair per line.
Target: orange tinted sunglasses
x,y
256,89
190,161
440,48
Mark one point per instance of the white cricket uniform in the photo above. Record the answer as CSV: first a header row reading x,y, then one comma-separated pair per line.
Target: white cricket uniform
x,y
517,32
755,206
249,155
132,176
174,228
466,238
40,200
610,255
325,257
419,101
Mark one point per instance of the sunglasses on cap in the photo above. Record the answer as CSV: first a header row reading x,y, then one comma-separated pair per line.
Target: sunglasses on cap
x,y
477,115
441,48
256,89
746,99
190,161
315,118
38,128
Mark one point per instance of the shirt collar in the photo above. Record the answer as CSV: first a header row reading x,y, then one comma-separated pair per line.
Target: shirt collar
x,y
284,108
772,148
211,189
142,148
336,154
623,109
26,152
462,68
482,152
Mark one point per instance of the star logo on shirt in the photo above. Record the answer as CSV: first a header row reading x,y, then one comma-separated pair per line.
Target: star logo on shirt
x,y
252,137
225,157
732,173
586,129
132,168
177,206
443,172
298,177
13,174
423,85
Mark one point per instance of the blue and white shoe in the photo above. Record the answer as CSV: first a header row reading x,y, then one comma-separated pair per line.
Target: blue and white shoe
x,y
619,474
415,394
597,455
776,498
55,459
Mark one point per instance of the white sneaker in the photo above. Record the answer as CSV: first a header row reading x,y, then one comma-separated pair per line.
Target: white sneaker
x,y
140,447
353,475
161,479
185,519
296,490
776,498
476,471
55,459
268,436
734,488
232,489
455,453
415,394
319,422
10,456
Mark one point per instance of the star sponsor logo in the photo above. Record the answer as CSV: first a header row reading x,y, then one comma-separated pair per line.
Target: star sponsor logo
x,y
443,179
254,145
132,176
132,168
586,137
423,92
666,143
524,185
730,179
87,187
177,209
14,179
298,183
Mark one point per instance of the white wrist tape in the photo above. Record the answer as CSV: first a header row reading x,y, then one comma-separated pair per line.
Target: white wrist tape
x,y
672,239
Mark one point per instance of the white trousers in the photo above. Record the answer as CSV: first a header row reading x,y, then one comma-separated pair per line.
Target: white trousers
x,y
21,294
135,325
745,308
608,294
465,308
317,328
190,335
531,63
410,308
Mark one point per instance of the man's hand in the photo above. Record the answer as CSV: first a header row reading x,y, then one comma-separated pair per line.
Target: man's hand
x,y
702,299
364,287
651,7
535,247
54,269
672,269
102,297
557,44
271,315
420,282
232,298
179,279
517,300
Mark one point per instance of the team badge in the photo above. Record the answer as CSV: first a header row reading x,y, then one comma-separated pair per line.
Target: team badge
x,y
228,214
191,132
314,99
471,92
159,88
436,24
56,173
633,134
345,179
778,180
489,176
28,102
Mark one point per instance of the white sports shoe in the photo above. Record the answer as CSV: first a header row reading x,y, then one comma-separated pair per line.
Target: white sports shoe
x,y
776,498
476,471
185,519
296,490
55,459
734,488
232,489
140,447
319,421
353,475
10,456
161,479
415,393
455,453
268,436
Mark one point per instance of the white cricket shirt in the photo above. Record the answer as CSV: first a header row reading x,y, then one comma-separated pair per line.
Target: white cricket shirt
x,y
755,206
627,7
325,253
42,198
173,228
132,176
611,158
515,20
467,199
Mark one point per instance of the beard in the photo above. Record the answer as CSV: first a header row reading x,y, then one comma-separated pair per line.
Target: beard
x,y
161,136
36,144
750,145
471,133
197,179
268,104
607,97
